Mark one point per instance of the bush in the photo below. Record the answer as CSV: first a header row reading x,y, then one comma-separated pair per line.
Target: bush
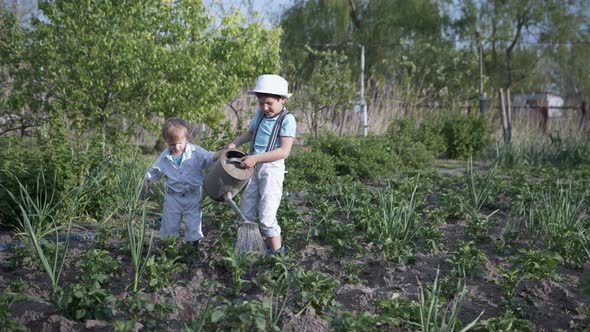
x,y
460,136
308,167
408,142
362,158
466,135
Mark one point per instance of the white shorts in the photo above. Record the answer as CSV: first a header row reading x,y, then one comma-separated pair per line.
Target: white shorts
x,y
262,196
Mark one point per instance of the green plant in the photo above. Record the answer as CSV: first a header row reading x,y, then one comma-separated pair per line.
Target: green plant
x,y
397,225
86,301
19,257
276,281
351,271
38,219
198,324
97,266
316,289
241,315
432,318
465,135
478,227
467,259
537,264
130,182
237,263
151,309
399,307
504,323
307,168
158,271
7,323
561,218
365,322
479,189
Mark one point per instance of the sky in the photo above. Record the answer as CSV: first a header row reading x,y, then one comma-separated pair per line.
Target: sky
x,y
269,10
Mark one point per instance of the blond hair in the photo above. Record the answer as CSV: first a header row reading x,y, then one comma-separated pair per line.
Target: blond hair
x,y
174,128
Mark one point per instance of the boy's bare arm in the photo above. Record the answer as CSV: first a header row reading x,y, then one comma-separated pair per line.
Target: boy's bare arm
x,y
245,137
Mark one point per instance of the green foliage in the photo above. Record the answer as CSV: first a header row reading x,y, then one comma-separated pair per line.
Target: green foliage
x,y
237,263
466,135
560,216
317,289
159,270
7,323
52,171
531,265
504,323
151,310
478,227
395,223
399,307
352,270
364,322
86,301
416,141
537,264
362,158
97,267
241,315
434,315
467,260
329,87
147,58
415,145
566,153
307,168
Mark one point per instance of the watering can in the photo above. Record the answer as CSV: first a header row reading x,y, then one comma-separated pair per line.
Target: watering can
x,y
226,177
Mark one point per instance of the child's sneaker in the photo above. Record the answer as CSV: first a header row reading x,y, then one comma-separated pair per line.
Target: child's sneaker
x,y
273,252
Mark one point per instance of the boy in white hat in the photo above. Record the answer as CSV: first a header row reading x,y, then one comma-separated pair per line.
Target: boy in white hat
x,y
271,132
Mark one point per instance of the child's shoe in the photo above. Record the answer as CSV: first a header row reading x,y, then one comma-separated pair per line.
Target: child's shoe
x,y
196,260
274,252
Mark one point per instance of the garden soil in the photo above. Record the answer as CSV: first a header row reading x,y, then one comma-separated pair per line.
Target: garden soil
x,y
548,304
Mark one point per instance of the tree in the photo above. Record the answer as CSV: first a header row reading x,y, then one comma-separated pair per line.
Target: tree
x,y
327,91
112,65
406,42
520,37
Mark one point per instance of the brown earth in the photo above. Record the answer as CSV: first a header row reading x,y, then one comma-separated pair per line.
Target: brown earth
x,y
548,304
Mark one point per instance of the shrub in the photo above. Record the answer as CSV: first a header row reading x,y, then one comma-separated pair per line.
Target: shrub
x,y
362,158
308,167
465,135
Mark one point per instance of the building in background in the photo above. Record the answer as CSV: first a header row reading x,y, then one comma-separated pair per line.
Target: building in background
x,y
522,102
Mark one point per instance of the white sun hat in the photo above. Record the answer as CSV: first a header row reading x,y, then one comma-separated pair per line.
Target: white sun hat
x,y
271,84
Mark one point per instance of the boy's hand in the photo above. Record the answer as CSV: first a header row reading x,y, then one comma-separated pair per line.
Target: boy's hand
x,y
248,161
231,145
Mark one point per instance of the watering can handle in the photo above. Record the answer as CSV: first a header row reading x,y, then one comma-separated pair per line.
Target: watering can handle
x,y
234,160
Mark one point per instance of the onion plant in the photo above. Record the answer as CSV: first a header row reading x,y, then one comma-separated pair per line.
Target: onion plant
x,y
432,319
43,213
478,191
397,224
129,181
561,218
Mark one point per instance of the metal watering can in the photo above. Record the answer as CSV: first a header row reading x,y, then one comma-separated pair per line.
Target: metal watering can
x,y
223,182
226,177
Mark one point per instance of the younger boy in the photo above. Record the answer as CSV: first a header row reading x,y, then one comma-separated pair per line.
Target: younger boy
x,y
271,132
182,165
